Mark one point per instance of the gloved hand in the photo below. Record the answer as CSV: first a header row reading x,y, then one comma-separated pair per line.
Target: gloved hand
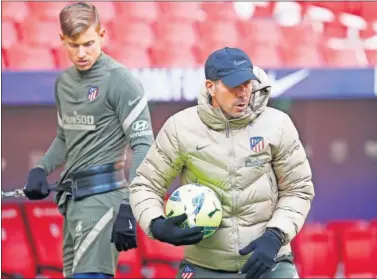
x,y
124,229
37,185
168,230
265,249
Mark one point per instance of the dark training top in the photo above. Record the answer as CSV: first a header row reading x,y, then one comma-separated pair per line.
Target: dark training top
x,y
100,112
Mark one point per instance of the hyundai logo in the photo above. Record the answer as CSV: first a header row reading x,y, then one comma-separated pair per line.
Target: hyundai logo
x,y
140,125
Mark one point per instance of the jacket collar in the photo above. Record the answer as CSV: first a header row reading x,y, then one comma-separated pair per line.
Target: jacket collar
x,y
215,118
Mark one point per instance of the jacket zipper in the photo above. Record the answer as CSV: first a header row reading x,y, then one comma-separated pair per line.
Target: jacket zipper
x,y
234,192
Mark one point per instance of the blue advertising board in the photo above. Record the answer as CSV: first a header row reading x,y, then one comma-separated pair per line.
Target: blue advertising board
x,y
177,85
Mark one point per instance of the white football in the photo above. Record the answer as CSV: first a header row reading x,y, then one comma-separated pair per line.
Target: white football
x,y
200,203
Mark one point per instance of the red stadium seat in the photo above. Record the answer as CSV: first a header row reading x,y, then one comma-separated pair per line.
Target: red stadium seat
x,y
339,227
17,254
296,240
177,33
264,9
40,33
372,57
302,34
219,10
3,63
129,11
368,10
265,56
359,246
368,32
315,250
129,55
180,11
161,259
264,31
203,49
154,250
45,224
22,57
14,11
9,34
334,30
373,223
176,56
62,59
223,33
354,7
137,33
46,10
335,7
216,35
129,264
106,11
342,58
302,57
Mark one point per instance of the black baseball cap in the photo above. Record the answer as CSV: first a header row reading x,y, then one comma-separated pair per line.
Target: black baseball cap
x,y
230,65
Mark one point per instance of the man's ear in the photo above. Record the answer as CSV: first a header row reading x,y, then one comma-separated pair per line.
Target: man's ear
x,y
102,33
61,37
210,87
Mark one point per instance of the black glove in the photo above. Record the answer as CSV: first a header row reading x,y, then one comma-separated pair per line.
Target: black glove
x,y
37,185
169,230
265,250
124,229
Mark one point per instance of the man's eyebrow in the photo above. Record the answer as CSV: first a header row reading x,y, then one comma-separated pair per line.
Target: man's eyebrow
x,y
84,43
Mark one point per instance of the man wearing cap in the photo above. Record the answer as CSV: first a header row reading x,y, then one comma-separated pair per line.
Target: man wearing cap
x,y
250,155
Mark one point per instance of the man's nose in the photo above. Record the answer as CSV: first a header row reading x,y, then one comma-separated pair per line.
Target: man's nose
x,y
241,90
81,52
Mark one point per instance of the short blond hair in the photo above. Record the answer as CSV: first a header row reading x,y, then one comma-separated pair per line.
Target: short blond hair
x,y
77,18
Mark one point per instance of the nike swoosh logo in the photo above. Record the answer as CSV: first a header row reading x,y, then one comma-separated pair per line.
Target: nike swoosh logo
x,y
279,86
130,103
129,222
239,62
273,269
201,147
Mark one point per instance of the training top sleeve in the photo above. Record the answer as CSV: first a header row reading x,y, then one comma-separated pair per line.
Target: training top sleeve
x,y
163,163
56,154
131,106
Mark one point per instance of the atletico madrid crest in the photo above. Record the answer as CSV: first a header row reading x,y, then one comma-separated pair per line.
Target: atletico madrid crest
x,y
188,272
93,93
257,144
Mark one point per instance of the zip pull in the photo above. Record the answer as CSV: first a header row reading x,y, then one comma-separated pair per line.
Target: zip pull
x,y
227,129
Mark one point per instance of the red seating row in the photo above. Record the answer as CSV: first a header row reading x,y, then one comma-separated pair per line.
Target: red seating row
x,y
110,11
257,31
33,232
364,9
144,35
196,28
321,249
41,58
